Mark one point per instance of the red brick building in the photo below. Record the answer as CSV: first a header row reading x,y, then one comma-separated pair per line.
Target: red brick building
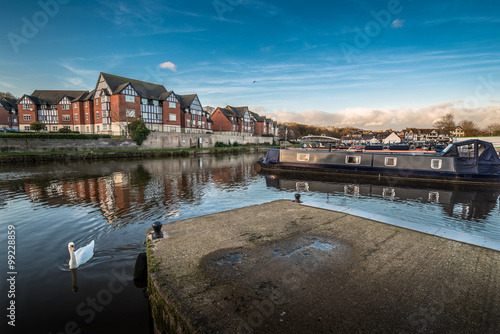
x,y
8,114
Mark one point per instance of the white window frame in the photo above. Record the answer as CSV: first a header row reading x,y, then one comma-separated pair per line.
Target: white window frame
x,y
96,102
353,159
172,117
439,163
96,115
76,117
390,161
130,112
302,157
65,107
129,98
66,118
27,118
172,105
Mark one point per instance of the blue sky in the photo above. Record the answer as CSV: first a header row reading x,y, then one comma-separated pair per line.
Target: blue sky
x,y
370,64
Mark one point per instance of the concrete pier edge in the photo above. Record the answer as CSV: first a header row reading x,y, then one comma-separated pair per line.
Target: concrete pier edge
x,y
257,269
432,230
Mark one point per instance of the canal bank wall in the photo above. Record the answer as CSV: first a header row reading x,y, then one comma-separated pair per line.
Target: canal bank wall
x,y
284,267
117,155
156,140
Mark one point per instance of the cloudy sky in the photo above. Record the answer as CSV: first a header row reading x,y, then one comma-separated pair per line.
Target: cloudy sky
x,y
369,64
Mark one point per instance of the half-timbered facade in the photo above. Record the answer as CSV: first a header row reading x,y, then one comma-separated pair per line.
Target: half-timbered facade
x,y
116,101
52,107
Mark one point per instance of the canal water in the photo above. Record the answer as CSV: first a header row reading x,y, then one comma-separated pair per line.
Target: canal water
x,y
115,202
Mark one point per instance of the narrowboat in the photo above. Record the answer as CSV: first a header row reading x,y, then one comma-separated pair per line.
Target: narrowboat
x,y
471,161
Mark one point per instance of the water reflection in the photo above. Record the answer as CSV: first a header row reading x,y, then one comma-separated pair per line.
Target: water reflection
x,y
128,187
470,203
74,280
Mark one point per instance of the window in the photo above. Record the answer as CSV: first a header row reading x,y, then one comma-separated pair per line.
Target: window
x,y
302,157
53,107
144,101
75,105
172,117
54,128
436,163
188,123
87,116
27,118
129,98
14,120
171,105
86,104
76,117
130,112
26,128
77,128
96,115
88,128
96,102
65,107
66,118
26,107
155,103
353,159
98,128
390,161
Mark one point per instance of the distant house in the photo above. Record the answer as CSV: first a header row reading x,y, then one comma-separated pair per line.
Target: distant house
x,y
458,132
237,120
260,127
8,114
393,138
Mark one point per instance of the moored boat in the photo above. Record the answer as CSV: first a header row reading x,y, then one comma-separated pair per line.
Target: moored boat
x,y
468,161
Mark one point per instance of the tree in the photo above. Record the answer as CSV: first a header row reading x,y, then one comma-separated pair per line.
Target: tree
x,y
470,128
492,130
446,123
37,126
138,130
7,95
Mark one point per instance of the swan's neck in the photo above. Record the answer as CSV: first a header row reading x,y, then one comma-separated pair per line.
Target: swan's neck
x,y
72,260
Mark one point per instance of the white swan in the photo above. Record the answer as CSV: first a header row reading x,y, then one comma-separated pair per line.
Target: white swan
x,y
81,256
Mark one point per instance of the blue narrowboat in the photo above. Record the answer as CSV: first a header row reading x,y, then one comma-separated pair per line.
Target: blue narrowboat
x,y
468,161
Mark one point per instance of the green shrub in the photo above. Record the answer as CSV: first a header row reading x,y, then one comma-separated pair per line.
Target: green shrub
x,y
220,144
138,130
37,126
65,130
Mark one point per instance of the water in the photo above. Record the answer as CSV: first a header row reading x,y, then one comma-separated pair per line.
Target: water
x,y
114,203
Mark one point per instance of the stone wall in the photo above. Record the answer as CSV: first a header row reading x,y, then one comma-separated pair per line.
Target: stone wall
x,y
44,145
156,140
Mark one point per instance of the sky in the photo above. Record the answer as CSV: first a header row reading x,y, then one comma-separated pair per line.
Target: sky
x,y
369,64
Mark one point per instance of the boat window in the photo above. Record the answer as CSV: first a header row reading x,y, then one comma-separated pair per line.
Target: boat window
x,y
436,163
391,161
466,151
353,159
302,157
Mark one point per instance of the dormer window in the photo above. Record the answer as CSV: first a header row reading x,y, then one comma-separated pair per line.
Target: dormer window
x,y
144,101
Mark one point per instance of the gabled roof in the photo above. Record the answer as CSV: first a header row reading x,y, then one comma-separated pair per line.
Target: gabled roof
x,y
186,100
145,89
55,96
257,117
9,103
238,111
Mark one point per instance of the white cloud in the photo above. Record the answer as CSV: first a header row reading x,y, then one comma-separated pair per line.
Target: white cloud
x,y
169,65
397,23
397,119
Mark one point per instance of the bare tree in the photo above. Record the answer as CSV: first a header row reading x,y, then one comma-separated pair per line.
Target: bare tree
x,y
7,95
446,123
470,128
492,130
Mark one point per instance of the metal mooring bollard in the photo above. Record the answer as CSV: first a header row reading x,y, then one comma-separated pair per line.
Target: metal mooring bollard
x,y
157,230
297,198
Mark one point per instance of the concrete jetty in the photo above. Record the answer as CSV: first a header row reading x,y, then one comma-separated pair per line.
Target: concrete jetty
x,y
284,267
